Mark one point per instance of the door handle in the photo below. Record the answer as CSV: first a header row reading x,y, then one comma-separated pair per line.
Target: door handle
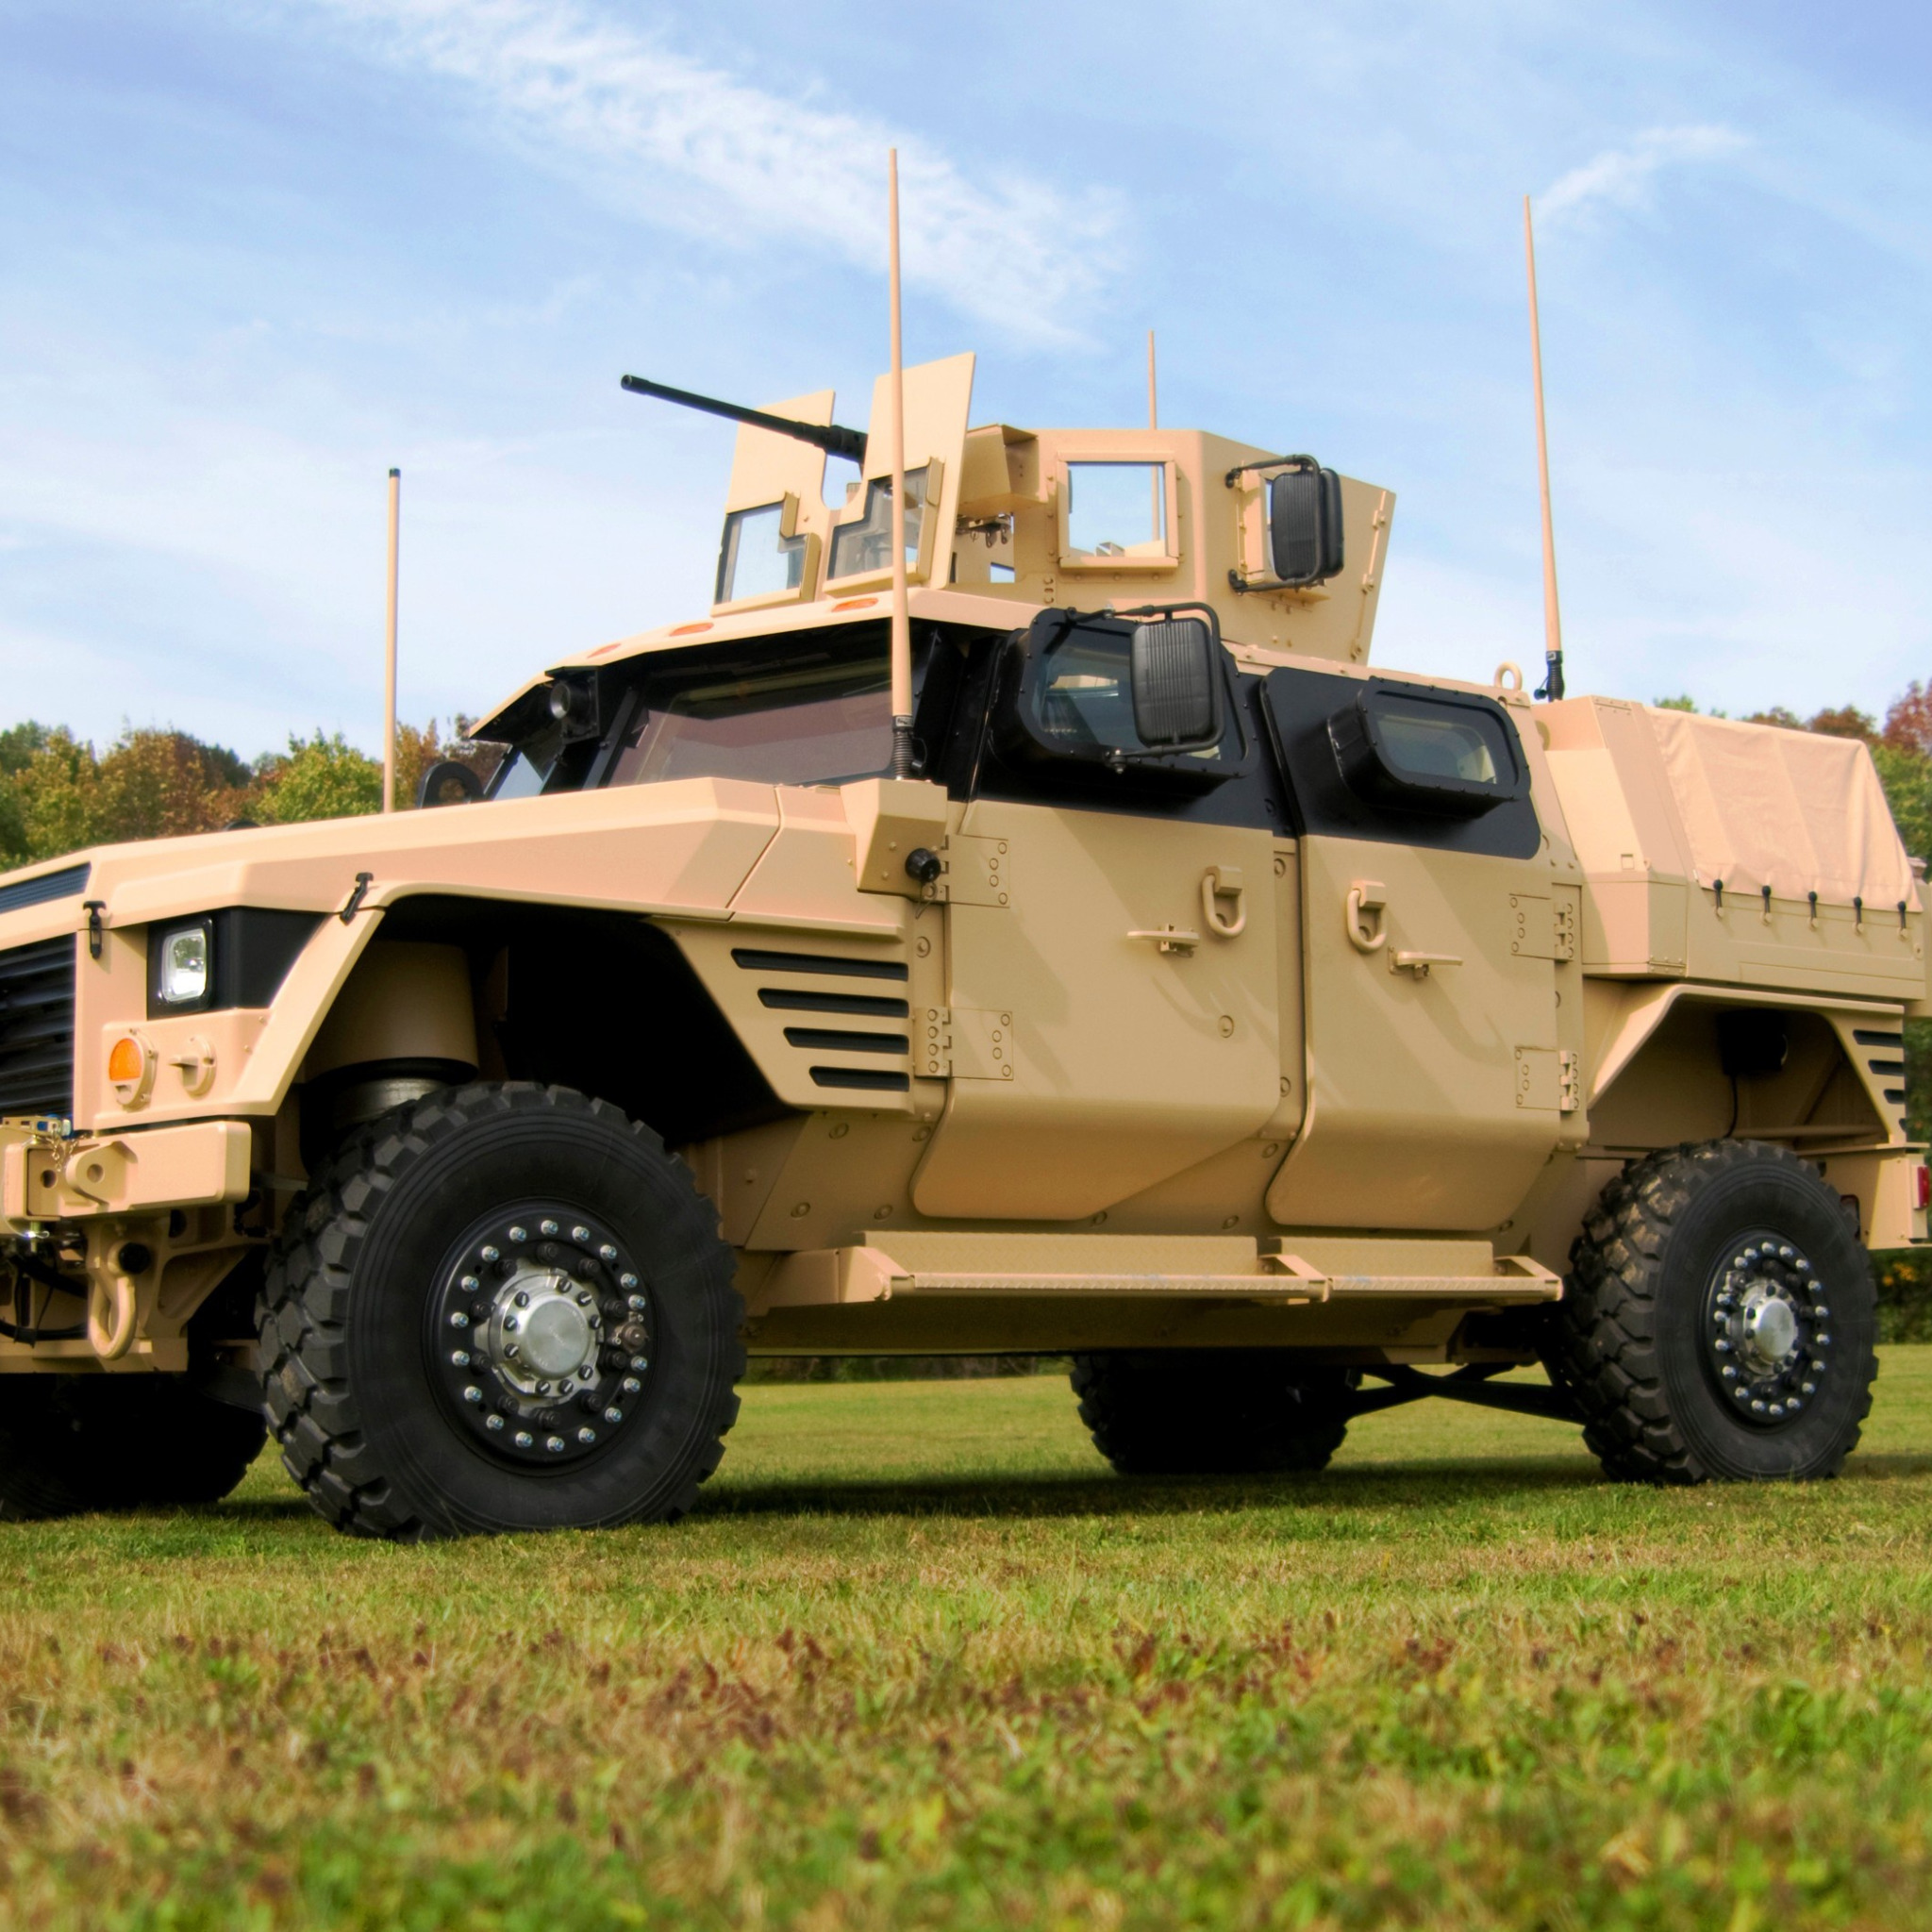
x,y
1365,904
1221,882
1170,939
1419,963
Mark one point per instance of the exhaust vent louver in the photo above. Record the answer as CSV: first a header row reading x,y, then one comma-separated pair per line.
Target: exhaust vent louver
x,y
841,1042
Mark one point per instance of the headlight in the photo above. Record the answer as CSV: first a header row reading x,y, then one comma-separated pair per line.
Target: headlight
x,y
181,969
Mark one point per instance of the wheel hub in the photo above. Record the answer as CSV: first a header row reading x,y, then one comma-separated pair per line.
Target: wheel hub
x,y
540,1335
1767,1332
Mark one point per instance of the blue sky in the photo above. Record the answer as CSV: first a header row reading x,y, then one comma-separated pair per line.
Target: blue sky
x,y
254,253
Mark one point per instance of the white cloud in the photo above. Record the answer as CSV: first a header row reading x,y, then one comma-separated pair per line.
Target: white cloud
x,y
684,145
1622,176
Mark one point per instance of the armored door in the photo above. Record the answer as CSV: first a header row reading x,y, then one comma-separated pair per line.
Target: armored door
x,y
1110,1014
1431,936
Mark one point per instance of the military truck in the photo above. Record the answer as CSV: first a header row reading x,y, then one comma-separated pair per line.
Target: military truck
x,y
1278,1037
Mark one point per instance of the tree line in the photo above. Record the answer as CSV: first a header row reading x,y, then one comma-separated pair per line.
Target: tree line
x,y
58,794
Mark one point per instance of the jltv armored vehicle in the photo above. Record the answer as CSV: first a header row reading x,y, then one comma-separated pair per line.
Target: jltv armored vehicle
x,y
1257,1027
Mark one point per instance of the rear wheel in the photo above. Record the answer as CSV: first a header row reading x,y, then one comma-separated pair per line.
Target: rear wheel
x,y
1719,1320
502,1307
1212,1411
95,1441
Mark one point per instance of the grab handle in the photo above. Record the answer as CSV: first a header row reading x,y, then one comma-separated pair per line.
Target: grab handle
x,y
1221,882
1366,933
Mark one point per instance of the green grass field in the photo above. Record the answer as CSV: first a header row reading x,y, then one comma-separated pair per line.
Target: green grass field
x,y
922,1661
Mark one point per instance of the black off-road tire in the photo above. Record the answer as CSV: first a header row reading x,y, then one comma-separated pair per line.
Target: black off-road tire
x,y
1629,1340
347,1315
70,1443
1212,1411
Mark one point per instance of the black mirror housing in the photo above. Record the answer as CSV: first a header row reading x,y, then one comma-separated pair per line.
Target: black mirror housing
x,y
1305,533
1094,701
1176,671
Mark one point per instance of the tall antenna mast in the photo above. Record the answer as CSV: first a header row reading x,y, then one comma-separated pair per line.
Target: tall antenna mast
x,y
388,679
1553,622
902,620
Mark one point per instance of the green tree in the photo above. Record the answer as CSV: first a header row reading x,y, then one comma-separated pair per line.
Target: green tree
x,y
321,777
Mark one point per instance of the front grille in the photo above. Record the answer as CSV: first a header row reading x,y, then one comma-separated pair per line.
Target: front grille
x,y
37,1029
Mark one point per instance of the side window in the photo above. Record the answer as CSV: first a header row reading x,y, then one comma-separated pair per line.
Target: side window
x,y
756,558
865,548
1403,763
1065,722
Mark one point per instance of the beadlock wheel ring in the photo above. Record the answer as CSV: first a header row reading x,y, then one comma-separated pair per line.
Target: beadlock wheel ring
x,y
1765,1331
538,1336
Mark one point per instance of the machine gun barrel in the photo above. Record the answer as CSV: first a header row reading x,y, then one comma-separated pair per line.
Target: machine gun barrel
x,y
829,437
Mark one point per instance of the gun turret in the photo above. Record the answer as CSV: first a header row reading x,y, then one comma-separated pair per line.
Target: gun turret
x,y
830,437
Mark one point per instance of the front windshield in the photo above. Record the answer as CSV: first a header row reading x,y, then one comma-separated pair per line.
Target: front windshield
x,y
795,723
817,713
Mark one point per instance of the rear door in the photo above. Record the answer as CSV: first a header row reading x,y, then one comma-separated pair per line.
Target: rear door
x,y
1431,932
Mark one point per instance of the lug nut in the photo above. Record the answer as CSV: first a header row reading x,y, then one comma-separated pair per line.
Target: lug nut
x,y
626,1281
522,1299
641,1363
542,1388
589,1402
631,1385
548,1226
555,1445
472,1394
583,1298
459,1359
585,1436
580,1235
470,1284
458,1319
637,1305
509,1325
524,1440
520,1234
1730,1372
607,1252
613,1415
493,1422
493,1254
511,1351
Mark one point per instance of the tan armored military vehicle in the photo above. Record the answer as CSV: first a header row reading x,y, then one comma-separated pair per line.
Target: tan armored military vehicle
x,y
1255,1027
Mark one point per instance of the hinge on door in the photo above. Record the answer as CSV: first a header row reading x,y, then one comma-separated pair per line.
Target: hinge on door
x,y
977,872
964,1043
1569,1082
1564,939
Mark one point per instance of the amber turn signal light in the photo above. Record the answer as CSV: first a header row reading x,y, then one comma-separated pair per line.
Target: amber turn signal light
x,y
130,1069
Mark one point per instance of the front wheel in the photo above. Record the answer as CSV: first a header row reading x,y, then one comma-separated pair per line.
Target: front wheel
x,y
1719,1320
501,1308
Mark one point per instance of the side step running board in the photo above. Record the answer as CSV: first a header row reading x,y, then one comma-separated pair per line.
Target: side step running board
x,y
942,1266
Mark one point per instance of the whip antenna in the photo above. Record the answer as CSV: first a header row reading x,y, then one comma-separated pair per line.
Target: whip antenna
x,y
389,656
1553,622
901,622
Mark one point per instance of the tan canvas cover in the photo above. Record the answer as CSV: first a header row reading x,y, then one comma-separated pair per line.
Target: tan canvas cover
x,y
1793,810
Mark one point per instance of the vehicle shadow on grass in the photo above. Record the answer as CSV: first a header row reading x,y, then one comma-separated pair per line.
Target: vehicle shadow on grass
x,y
1384,1485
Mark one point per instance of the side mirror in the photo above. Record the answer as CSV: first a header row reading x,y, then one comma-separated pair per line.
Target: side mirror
x,y
1174,668
449,781
1304,537
573,702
